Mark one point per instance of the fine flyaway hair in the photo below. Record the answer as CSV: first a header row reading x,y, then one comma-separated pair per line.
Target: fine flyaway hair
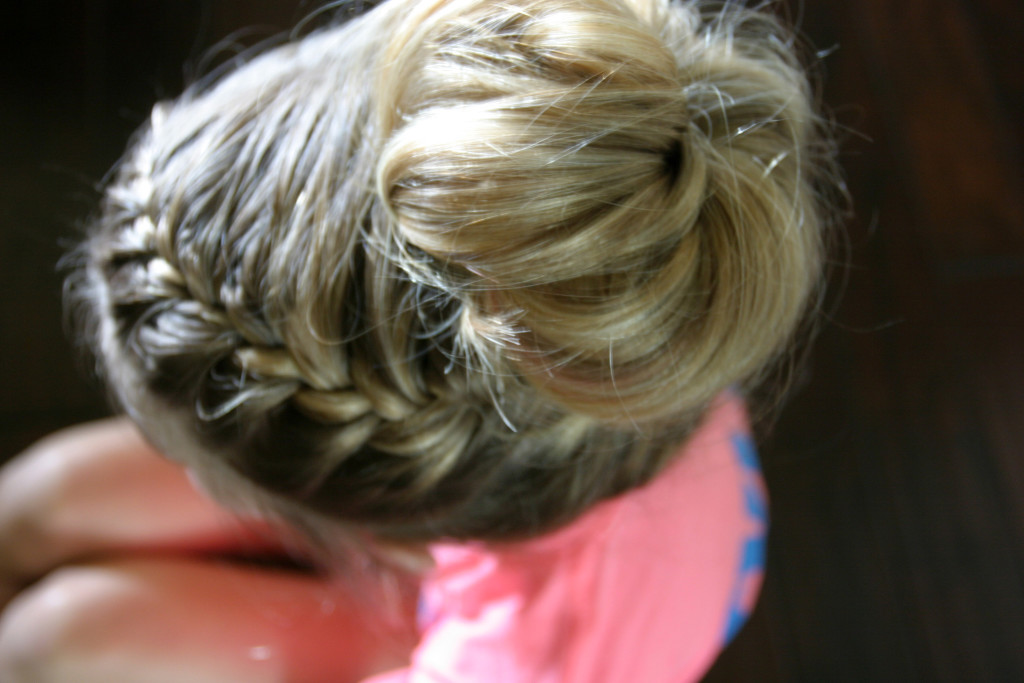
x,y
462,268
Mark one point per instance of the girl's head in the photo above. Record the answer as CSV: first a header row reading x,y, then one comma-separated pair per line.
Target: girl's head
x,y
461,268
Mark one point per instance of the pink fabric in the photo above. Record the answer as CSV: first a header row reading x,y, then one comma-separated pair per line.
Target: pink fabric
x,y
641,588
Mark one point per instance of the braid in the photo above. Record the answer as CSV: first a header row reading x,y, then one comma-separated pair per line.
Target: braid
x,y
461,269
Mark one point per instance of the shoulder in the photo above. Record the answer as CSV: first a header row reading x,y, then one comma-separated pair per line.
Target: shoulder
x,y
646,586
681,565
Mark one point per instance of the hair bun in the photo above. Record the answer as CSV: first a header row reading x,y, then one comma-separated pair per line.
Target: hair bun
x,y
631,227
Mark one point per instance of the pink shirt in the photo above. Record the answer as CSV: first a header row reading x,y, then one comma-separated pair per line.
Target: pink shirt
x,y
647,586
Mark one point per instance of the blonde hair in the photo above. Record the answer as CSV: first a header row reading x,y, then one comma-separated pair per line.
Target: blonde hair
x,y
459,268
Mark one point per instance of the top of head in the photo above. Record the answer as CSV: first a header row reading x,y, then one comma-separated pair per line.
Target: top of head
x,y
462,268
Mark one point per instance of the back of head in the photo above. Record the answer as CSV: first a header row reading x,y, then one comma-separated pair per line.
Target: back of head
x,y
462,268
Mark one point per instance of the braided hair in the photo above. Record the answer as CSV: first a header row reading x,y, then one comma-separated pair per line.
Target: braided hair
x,y
460,269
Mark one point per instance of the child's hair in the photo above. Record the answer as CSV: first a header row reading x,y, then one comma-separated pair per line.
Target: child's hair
x,y
462,268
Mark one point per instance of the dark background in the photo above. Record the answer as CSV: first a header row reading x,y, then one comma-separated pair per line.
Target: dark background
x,y
897,469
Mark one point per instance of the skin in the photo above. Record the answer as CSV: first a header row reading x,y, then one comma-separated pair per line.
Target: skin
x,y
113,567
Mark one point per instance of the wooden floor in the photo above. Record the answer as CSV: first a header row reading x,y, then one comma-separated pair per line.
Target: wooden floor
x,y
897,470
897,473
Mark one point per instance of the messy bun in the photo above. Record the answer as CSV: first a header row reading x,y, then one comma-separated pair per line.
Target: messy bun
x,y
630,197
463,268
